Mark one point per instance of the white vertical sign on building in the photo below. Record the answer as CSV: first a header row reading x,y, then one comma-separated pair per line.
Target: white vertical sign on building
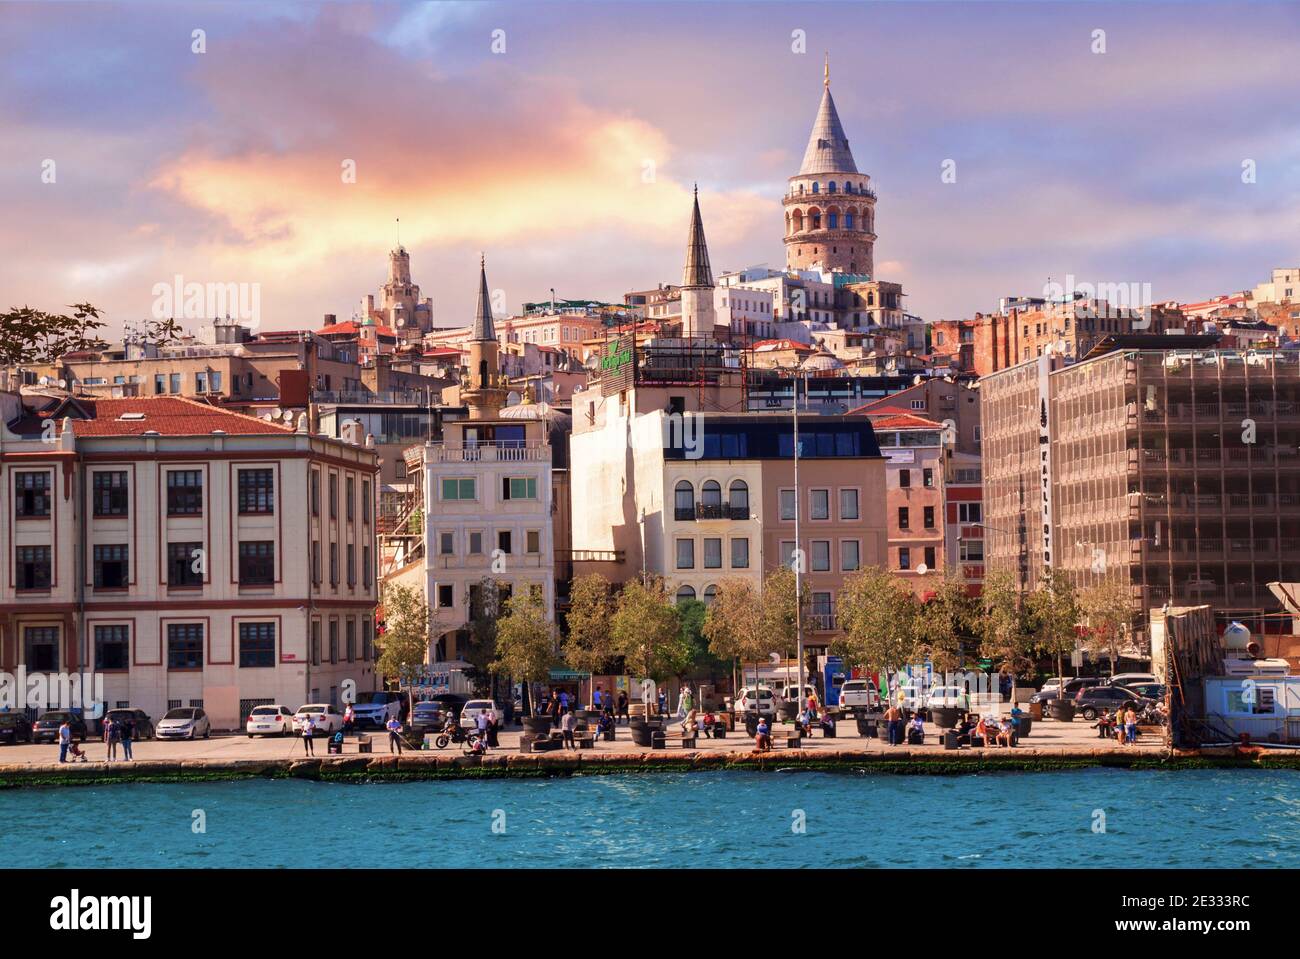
x,y
1045,453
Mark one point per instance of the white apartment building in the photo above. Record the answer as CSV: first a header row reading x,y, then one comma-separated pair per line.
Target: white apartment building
x,y
186,555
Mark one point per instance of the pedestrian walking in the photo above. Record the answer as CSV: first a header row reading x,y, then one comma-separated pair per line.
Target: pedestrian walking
x,y
596,698
894,716
394,728
128,736
622,706
308,731
482,721
567,725
1130,726
663,703
349,718
65,740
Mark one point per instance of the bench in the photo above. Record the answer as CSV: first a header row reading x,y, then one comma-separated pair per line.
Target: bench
x,y
363,744
687,741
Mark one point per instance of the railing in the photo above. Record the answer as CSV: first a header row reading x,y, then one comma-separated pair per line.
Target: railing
x,y
366,397
822,622
490,453
707,511
710,511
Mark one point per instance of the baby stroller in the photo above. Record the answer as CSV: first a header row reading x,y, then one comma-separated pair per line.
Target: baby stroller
x,y
76,752
336,743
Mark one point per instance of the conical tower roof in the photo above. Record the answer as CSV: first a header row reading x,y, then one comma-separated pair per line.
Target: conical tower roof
x,y
483,328
828,147
697,272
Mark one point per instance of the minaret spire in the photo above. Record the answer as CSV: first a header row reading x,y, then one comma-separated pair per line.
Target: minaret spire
x,y
697,272
483,326
826,79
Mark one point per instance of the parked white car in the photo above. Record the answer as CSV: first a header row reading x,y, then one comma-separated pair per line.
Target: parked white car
x,y
858,696
274,720
763,698
328,719
947,697
1128,679
184,722
790,694
470,712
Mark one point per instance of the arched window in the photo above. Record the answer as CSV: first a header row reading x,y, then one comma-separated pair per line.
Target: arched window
x,y
816,188
710,594
848,188
848,221
834,219
711,493
738,497
685,592
830,187
684,500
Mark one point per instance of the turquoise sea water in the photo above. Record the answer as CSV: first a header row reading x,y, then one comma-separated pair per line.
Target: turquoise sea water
x,y
1179,819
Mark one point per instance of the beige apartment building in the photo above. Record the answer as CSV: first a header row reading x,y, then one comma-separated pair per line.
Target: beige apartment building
x,y
186,555
1166,463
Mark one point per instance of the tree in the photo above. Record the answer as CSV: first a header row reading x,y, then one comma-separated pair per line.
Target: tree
x,y
942,621
1108,611
700,658
878,616
1053,610
481,626
1004,635
404,643
734,624
29,336
645,630
525,641
589,646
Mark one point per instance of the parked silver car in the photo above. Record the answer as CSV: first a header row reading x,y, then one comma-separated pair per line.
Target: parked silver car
x,y
185,722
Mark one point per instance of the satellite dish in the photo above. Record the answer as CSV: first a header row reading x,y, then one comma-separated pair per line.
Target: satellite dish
x,y
923,569
276,413
774,657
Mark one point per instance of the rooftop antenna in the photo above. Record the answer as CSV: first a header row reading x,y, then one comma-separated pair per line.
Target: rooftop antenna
x,y
399,232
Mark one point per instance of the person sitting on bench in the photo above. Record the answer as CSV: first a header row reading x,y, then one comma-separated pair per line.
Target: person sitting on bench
x,y
763,737
963,730
986,729
827,724
805,721
916,730
1006,733
604,723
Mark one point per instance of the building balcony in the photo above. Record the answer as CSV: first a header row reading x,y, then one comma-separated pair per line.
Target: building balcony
x,y
490,453
822,622
710,511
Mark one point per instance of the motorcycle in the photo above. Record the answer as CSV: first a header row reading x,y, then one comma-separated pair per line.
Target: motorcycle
x,y
455,734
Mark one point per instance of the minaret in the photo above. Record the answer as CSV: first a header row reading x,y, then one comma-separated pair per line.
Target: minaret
x,y
830,209
485,393
698,313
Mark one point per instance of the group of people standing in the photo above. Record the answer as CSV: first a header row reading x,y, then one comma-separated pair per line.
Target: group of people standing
x,y
1122,724
117,735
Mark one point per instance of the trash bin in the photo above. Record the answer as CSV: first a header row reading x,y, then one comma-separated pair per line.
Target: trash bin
x,y
1036,711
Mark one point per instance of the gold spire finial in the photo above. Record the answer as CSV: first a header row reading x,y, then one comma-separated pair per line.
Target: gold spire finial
x,y
826,80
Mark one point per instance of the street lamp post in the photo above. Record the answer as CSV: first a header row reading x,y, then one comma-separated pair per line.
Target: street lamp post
x,y
798,553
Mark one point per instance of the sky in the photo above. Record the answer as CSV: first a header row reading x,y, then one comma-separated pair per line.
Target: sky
x,y
562,141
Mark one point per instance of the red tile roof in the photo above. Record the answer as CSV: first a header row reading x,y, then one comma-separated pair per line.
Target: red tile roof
x,y
351,328
769,345
166,415
902,421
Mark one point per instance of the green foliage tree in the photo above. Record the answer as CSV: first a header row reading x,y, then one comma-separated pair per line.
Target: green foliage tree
x,y
1107,609
29,336
646,632
404,644
734,624
481,629
943,621
700,658
1053,610
1005,637
525,641
878,616
588,645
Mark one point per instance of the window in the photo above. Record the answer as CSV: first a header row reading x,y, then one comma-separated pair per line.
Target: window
x,y
256,491
710,594
683,501
112,647
367,574
32,565
821,555
41,648
928,517
349,498
904,515
214,381
848,504
970,512
315,644
927,477
533,541
159,383
518,487
184,492
445,596
504,541
315,492
350,639
686,554
315,562
929,558
352,565
740,553
257,563
334,564
257,643
904,558
365,501
112,566
712,553
334,641
711,494
184,645
200,382
366,627
334,496
458,489
904,478
31,495
109,493
174,382
685,593
787,503
184,564
850,555
738,499
820,500
475,543
970,550
446,543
